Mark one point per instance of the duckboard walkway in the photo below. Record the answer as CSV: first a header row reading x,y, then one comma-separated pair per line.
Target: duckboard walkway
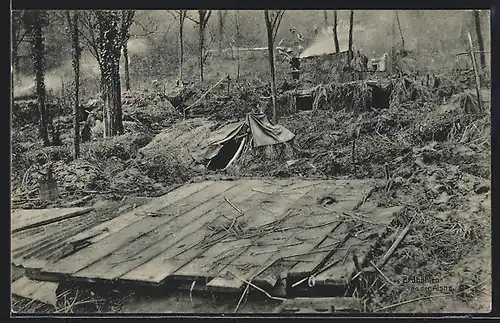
x,y
220,235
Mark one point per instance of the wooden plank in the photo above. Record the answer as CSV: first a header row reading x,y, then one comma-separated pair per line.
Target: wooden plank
x,y
44,292
254,256
341,273
32,218
303,268
207,264
87,256
46,241
297,191
173,258
107,228
163,237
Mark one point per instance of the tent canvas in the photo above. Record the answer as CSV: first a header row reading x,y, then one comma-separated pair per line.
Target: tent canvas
x,y
225,145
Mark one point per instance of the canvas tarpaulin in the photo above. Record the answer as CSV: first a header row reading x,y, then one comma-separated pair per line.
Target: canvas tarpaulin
x,y
264,133
256,127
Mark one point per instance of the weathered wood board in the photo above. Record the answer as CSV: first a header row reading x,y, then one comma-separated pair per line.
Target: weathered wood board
x,y
25,219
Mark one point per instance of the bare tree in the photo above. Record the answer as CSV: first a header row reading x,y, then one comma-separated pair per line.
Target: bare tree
x,y
75,41
351,25
127,19
222,20
325,16
34,22
400,31
335,36
204,16
182,17
237,21
18,36
89,37
480,40
273,21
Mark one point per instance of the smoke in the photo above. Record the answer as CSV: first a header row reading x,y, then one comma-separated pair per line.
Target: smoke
x,y
89,69
137,46
324,44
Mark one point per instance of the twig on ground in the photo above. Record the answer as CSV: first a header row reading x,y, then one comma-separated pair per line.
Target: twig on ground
x,y
245,291
382,274
234,206
257,190
258,288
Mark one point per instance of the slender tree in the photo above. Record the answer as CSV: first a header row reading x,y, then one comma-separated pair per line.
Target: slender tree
x,y
75,41
237,20
35,21
335,36
222,21
351,25
400,30
325,16
18,36
204,16
273,20
480,41
182,17
127,19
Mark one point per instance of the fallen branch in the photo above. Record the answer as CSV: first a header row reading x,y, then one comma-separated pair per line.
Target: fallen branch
x,y
395,244
391,250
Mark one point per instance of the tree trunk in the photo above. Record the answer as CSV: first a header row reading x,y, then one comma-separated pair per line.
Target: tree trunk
x,y
181,45
15,60
201,41
335,36
112,103
221,30
126,63
400,31
237,45
110,47
38,53
270,47
351,25
76,94
480,41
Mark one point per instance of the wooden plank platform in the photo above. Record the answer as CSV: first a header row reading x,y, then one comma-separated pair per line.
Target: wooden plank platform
x,y
25,219
36,247
225,233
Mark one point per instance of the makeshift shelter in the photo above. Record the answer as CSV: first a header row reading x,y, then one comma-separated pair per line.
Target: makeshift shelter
x,y
224,146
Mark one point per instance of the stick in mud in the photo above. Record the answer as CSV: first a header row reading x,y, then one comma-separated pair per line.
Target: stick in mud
x,y
354,155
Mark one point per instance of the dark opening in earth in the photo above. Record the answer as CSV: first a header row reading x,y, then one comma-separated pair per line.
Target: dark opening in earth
x,y
304,103
225,155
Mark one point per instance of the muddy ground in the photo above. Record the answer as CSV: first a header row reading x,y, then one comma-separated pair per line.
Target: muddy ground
x,y
435,149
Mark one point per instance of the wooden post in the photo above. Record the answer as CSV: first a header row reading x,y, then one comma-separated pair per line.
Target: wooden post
x,y
476,74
